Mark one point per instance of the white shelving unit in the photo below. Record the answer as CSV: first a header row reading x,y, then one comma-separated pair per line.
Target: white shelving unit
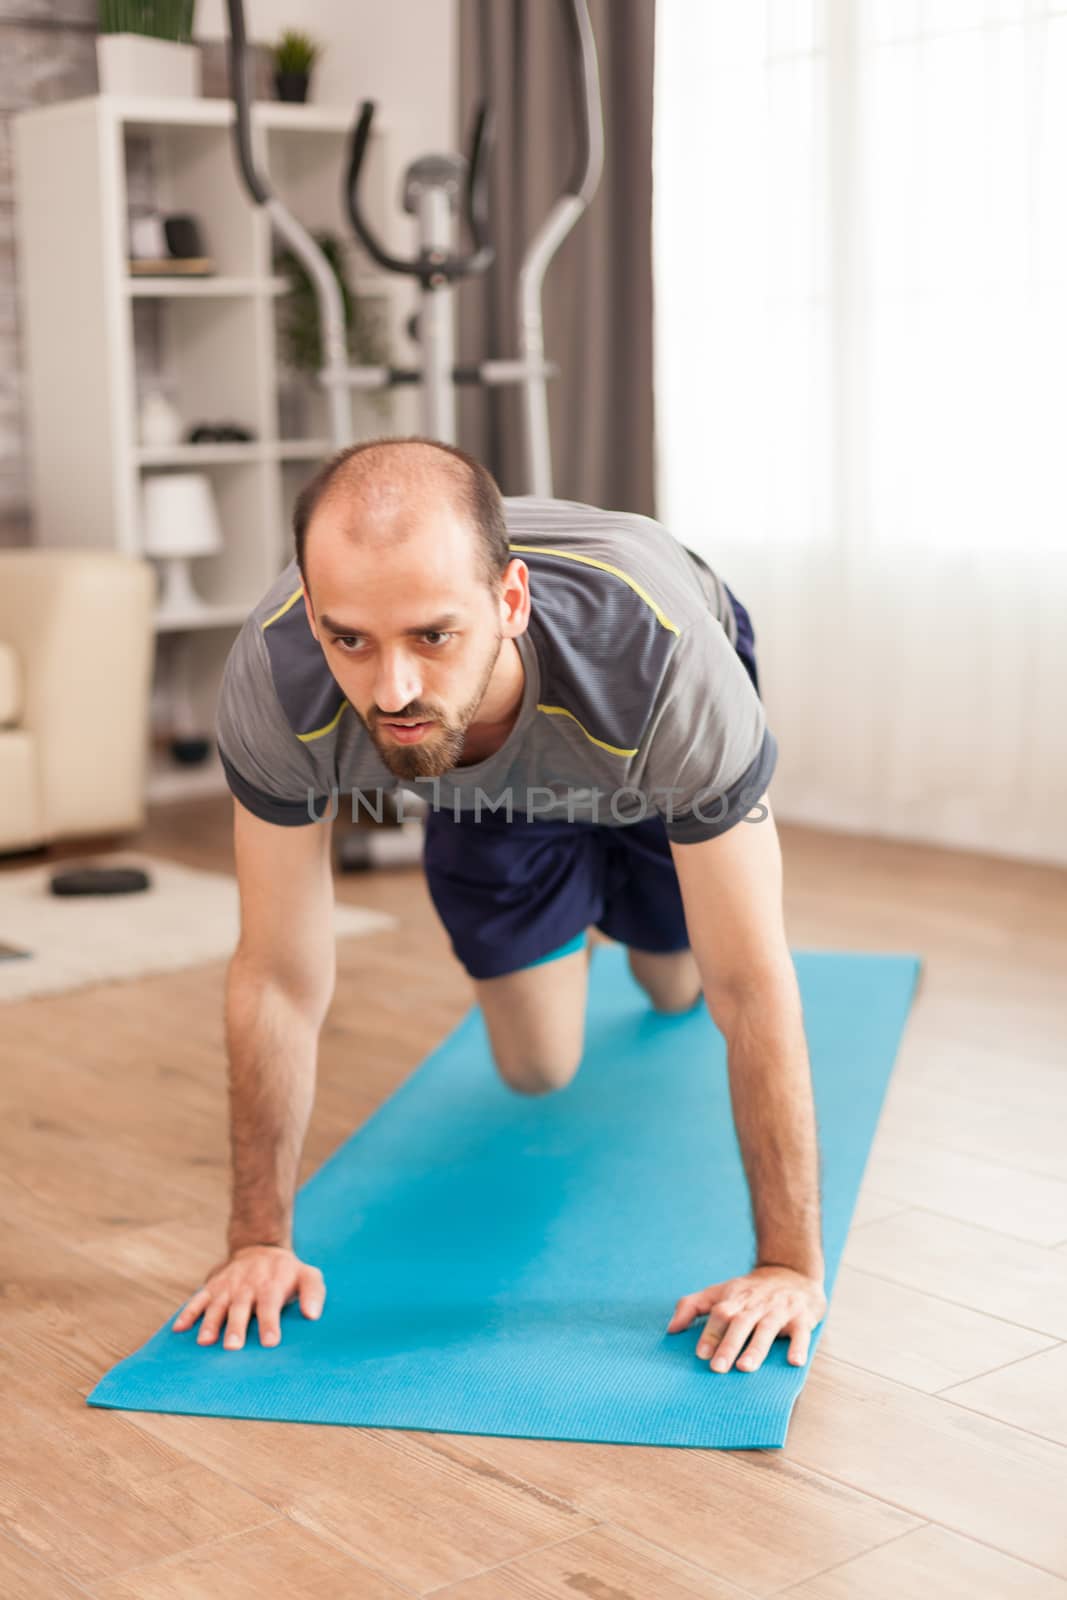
x,y
218,349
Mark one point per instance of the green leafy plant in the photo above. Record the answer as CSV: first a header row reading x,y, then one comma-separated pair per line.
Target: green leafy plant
x,y
159,19
298,313
295,53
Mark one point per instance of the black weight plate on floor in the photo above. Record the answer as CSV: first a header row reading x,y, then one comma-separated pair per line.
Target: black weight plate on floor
x,y
99,880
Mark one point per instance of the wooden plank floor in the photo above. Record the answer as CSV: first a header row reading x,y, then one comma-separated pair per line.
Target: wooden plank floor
x,y
927,1454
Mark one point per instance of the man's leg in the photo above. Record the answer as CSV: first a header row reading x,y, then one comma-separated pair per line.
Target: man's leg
x,y
671,981
644,911
535,1019
511,896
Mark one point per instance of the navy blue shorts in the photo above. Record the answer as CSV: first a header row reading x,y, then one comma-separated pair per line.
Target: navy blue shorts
x,y
513,894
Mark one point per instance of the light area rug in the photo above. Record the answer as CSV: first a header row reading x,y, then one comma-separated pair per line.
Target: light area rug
x,y
186,916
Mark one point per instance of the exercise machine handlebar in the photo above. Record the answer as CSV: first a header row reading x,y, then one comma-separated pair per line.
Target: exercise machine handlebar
x,y
589,162
256,185
478,177
289,228
432,268
433,184
546,242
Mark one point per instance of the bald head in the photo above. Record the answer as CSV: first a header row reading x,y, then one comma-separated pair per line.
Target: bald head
x,y
380,493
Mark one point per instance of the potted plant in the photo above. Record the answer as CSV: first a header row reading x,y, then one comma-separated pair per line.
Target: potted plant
x,y
294,56
145,47
300,334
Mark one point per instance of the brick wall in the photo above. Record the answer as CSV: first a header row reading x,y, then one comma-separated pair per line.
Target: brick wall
x,y
47,52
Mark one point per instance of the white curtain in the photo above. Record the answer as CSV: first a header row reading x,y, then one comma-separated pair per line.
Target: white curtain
x,y
860,257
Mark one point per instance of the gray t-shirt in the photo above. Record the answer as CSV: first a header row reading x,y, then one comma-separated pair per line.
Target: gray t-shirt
x,y
635,700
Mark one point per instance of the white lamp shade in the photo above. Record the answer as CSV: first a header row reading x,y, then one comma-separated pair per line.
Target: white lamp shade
x,y
179,516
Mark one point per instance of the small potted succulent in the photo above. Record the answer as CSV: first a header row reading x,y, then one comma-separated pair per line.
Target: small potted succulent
x,y
294,56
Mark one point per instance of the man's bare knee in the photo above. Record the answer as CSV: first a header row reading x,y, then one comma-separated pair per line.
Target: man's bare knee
x,y
673,1005
535,1018
533,1077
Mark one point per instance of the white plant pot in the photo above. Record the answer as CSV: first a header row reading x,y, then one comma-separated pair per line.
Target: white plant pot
x,y
133,64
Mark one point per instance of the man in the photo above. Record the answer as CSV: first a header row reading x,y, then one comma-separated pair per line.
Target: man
x,y
575,693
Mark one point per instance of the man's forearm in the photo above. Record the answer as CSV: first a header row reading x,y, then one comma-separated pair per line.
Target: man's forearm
x,y
272,1042
774,1114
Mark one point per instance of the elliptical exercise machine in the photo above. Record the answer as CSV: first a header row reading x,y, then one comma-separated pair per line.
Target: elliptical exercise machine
x,y
433,188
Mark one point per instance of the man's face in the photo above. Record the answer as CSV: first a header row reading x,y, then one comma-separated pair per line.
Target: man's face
x,y
409,630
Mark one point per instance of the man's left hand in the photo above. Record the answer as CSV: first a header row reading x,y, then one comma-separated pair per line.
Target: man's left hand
x,y
769,1300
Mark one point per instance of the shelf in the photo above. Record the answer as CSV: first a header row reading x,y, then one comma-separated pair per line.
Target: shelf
x,y
276,115
218,455
211,342
169,780
300,449
220,616
283,117
154,288
369,285
195,455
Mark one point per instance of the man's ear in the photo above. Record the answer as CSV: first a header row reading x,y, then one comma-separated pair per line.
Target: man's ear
x,y
515,597
308,610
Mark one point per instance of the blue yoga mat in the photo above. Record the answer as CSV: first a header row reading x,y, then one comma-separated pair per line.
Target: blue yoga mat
x,y
500,1263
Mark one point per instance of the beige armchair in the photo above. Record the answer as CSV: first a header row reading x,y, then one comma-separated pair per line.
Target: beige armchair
x,y
76,652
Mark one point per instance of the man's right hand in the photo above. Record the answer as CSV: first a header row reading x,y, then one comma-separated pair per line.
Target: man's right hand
x,y
260,1278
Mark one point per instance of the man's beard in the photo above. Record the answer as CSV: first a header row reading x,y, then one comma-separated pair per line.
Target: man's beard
x,y
436,752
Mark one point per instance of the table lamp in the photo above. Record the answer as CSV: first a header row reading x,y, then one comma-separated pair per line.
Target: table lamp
x,y
179,521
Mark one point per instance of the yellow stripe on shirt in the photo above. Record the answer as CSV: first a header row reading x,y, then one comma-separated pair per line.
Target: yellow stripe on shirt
x,y
590,561
317,733
293,598
555,711
561,711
